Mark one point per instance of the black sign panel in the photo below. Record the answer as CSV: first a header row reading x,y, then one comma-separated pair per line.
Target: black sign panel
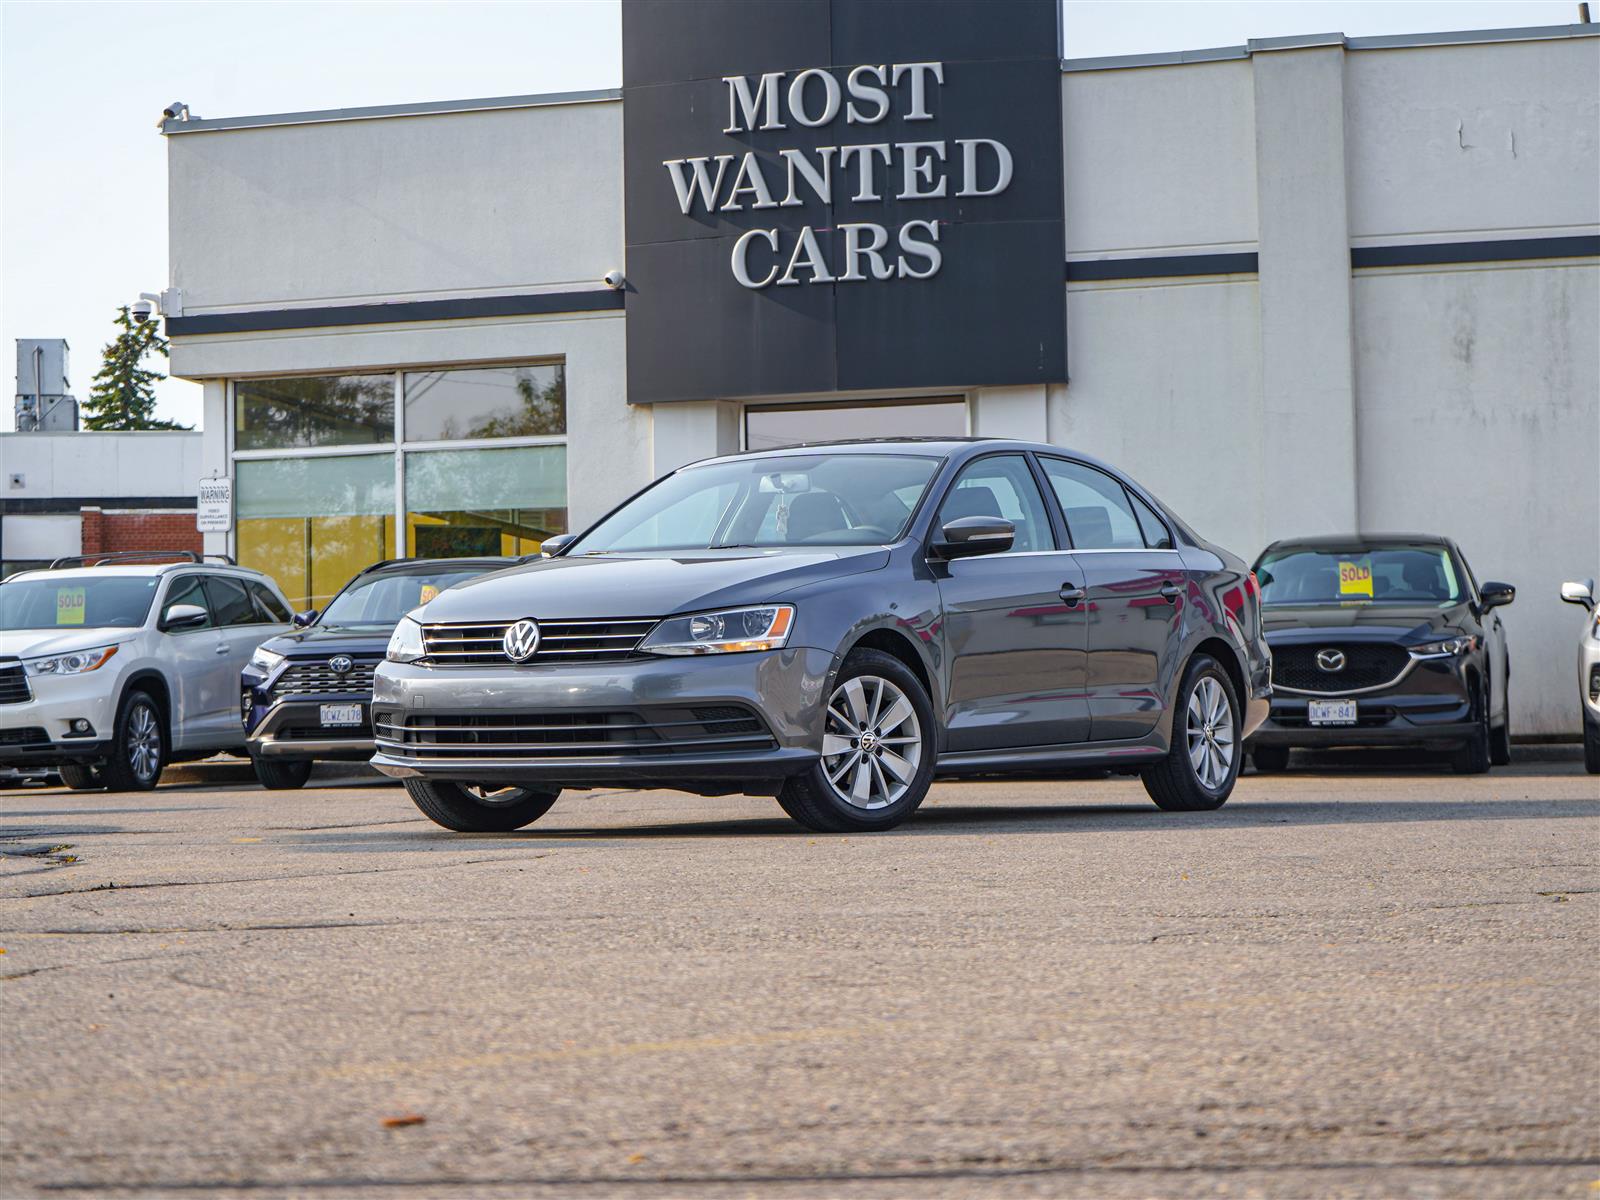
x,y
841,195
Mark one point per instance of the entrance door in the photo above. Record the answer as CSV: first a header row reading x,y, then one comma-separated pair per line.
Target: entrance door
x,y
1017,646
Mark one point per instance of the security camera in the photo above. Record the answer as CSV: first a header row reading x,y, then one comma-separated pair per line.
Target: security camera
x,y
176,109
140,310
615,279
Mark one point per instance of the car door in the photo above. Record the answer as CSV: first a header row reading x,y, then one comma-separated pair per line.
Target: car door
x,y
1135,581
243,625
1014,628
203,696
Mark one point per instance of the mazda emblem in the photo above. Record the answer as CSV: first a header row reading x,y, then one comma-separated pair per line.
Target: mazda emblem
x,y
341,664
521,640
1330,660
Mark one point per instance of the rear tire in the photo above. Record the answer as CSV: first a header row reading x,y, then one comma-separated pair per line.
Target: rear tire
x,y
1473,757
1202,763
1591,745
470,808
878,738
80,779
1270,759
282,774
139,747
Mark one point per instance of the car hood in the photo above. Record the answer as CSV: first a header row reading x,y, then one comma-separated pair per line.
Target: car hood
x,y
30,643
644,585
330,639
1364,622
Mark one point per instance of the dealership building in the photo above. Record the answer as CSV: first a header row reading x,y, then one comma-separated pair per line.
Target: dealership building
x,y
1302,286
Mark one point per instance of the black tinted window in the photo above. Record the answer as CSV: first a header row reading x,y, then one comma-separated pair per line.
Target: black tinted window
x,y
230,603
188,590
268,607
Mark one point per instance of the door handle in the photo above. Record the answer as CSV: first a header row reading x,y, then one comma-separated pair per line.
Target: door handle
x,y
1072,596
1170,592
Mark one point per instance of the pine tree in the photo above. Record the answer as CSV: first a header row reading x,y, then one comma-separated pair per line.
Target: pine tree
x,y
124,394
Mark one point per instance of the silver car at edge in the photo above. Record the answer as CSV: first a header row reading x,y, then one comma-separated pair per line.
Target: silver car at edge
x,y
1581,592
833,625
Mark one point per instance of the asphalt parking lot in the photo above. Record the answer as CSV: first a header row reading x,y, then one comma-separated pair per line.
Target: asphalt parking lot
x,y
1364,982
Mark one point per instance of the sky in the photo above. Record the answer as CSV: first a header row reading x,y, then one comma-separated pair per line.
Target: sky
x,y
82,86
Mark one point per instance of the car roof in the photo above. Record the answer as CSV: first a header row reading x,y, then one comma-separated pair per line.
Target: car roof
x,y
929,447
406,566
140,569
1360,541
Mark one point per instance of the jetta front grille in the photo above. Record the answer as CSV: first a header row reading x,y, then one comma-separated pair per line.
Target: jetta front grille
x,y
1366,665
482,645
14,684
319,679
532,736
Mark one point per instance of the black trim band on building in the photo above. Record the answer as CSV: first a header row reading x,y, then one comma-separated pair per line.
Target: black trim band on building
x,y
57,505
1499,250
1165,266
537,304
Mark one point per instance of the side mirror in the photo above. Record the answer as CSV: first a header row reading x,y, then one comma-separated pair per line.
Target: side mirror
x,y
965,537
1579,591
553,546
309,617
1494,594
183,616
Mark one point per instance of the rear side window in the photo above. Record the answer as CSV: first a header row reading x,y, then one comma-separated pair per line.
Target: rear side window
x,y
1096,507
268,607
230,603
1154,529
188,590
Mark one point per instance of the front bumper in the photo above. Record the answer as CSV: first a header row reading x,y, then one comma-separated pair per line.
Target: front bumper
x,y
38,732
294,729
1429,707
782,692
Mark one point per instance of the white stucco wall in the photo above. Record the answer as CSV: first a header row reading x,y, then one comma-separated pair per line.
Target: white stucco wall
x,y
90,464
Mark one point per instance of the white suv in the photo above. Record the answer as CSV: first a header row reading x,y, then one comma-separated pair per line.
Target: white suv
x,y
110,672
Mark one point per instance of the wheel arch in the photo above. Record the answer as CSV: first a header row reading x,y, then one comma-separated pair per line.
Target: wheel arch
x,y
1227,657
153,683
896,645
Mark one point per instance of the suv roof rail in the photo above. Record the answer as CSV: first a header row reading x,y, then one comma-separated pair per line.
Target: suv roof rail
x,y
127,556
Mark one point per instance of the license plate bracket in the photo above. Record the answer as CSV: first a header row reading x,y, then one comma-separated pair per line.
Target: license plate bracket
x,y
1331,712
341,716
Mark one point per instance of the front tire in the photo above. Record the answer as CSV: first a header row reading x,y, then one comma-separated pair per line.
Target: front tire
x,y
1500,736
1202,763
1591,745
475,808
282,774
138,749
877,750
1473,757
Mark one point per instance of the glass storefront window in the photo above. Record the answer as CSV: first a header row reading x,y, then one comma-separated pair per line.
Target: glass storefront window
x,y
312,523
486,402
769,426
320,410
495,501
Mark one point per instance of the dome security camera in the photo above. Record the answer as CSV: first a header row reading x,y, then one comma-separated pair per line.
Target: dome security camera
x,y
614,279
140,310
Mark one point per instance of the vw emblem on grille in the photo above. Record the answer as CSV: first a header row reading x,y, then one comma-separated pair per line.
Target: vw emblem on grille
x,y
341,664
521,640
1330,660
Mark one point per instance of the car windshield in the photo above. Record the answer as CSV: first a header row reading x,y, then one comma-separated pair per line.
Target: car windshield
x,y
382,600
771,501
77,602
1368,575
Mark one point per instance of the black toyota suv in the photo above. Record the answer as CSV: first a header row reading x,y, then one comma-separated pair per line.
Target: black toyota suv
x,y
1383,640
306,695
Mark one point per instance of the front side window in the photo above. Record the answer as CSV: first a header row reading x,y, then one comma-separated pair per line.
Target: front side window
x,y
783,500
315,410
1396,574
1095,505
486,402
77,602
187,589
1002,486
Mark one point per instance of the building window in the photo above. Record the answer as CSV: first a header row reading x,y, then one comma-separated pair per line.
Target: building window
x,y
486,402
321,410
769,426
336,472
499,501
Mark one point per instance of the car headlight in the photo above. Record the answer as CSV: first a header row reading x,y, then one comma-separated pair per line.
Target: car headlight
x,y
1448,648
264,660
405,643
731,631
75,663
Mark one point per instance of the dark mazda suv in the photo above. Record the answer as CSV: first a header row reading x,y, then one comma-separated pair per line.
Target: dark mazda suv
x,y
1383,640
833,625
304,695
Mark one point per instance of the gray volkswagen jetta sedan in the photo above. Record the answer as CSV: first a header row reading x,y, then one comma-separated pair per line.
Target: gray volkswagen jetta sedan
x,y
834,625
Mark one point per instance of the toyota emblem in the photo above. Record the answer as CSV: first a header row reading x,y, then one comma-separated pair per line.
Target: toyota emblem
x,y
341,664
521,640
1330,660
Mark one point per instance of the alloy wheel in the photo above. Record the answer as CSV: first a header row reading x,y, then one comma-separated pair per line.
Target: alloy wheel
x,y
871,742
1210,732
144,742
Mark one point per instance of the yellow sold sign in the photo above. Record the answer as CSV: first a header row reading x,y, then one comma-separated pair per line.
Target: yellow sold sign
x,y
69,606
1355,579
428,593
